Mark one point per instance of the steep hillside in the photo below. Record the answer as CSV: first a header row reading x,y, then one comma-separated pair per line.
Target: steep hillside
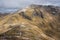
x,y
35,22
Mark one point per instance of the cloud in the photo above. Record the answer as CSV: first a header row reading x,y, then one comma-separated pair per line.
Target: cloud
x,y
48,2
15,3
23,3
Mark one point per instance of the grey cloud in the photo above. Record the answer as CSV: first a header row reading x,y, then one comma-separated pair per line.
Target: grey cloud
x,y
23,3
14,3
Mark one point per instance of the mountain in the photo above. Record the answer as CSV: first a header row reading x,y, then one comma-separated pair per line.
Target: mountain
x,y
2,15
8,10
35,22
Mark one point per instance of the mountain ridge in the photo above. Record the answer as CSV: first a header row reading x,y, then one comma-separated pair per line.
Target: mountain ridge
x,y
42,22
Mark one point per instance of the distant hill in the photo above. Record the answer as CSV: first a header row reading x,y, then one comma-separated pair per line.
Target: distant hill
x,y
8,10
2,15
35,22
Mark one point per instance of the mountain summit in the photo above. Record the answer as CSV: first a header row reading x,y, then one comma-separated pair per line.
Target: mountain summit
x,y
35,22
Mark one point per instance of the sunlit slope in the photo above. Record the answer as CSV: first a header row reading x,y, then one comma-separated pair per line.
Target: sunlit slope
x,y
41,22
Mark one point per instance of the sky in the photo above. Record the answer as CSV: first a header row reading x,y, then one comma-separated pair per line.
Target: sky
x,y
9,5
